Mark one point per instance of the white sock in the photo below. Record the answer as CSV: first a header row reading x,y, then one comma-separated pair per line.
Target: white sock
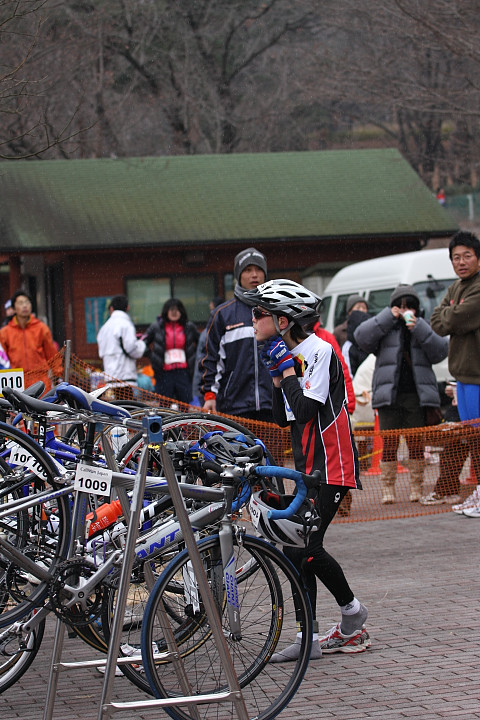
x,y
314,636
352,608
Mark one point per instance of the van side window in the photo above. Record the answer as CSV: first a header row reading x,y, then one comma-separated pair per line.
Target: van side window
x,y
341,309
378,299
326,302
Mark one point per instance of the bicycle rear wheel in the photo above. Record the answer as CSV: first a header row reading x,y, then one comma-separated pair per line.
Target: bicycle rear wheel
x,y
133,616
17,654
270,601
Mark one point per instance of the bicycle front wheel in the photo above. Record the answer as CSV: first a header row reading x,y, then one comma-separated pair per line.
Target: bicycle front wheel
x,y
41,531
270,602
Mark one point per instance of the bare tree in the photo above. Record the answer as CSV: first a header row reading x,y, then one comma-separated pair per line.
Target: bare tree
x,y
411,69
25,127
197,60
159,77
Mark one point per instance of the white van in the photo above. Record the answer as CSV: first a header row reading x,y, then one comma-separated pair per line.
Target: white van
x,y
429,271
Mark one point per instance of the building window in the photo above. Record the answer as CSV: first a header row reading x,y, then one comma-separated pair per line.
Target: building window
x,y
229,285
148,295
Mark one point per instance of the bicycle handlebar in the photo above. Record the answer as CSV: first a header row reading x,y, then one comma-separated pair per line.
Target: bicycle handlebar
x,y
290,474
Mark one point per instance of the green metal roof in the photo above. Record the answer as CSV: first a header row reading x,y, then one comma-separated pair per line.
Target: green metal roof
x,y
74,204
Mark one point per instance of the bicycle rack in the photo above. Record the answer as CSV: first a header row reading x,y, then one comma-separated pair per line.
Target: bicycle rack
x,y
152,433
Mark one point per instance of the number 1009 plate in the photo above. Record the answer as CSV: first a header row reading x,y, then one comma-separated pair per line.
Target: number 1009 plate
x,y
93,480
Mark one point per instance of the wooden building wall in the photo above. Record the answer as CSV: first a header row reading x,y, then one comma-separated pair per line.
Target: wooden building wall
x,y
103,272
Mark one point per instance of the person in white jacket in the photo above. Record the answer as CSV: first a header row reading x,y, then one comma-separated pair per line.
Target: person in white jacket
x,y
118,345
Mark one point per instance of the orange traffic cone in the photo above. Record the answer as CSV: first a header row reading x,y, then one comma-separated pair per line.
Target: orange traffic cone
x,y
472,478
377,449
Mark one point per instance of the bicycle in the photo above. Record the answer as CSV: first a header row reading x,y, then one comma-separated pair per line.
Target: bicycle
x,y
258,608
277,563
73,618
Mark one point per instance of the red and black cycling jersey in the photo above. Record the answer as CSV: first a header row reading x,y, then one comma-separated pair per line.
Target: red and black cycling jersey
x,y
314,405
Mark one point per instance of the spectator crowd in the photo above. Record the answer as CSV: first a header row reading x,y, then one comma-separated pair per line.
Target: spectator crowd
x,y
386,364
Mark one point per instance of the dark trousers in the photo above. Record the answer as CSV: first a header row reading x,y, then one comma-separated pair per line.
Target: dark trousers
x,y
405,413
175,384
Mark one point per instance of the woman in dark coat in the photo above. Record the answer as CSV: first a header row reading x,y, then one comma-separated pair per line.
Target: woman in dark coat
x,y
404,383
172,341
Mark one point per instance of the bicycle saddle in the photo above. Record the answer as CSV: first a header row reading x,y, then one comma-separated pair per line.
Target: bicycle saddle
x,y
78,398
26,404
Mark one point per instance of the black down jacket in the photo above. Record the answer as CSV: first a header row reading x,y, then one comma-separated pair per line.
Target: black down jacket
x,y
383,336
155,341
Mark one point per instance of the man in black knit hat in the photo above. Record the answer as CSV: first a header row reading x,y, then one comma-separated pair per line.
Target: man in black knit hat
x,y
233,378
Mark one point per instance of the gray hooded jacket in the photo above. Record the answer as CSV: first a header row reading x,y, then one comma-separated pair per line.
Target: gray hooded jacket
x,y
382,335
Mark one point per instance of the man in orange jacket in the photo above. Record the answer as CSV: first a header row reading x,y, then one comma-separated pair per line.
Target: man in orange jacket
x,y
28,342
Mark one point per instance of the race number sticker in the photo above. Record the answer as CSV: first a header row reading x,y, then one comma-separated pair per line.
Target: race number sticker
x,y
175,355
20,456
12,379
94,480
254,512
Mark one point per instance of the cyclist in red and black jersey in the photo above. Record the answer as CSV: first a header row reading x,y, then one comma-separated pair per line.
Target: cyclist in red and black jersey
x,y
309,396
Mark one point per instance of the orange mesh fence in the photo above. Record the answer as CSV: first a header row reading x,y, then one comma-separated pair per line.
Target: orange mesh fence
x,y
445,458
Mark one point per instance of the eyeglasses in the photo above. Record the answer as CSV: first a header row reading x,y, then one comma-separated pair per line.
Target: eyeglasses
x,y
259,313
467,257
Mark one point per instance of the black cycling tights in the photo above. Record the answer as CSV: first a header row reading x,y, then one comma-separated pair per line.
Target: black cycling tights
x,y
314,562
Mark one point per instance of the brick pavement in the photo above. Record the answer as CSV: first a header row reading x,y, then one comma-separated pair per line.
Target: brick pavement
x,y
419,578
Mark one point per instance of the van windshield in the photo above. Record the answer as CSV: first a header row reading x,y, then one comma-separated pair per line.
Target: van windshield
x,y
326,301
430,292
378,299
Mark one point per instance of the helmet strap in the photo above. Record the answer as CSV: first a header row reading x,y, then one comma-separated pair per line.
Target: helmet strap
x,y
277,326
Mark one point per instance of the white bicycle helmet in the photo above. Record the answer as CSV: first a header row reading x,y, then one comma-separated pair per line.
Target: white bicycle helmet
x,y
286,297
293,531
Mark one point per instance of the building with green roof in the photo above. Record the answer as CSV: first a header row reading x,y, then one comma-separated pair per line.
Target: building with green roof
x,y
76,232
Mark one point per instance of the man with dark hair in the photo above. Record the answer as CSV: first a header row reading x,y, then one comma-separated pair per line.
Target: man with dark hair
x,y
28,341
119,302
118,345
458,316
233,378
197,397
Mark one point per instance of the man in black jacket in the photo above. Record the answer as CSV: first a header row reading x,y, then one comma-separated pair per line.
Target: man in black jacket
x,y
233,378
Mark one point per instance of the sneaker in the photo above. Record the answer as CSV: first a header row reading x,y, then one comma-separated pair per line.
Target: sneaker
x,y
473,512
471,501
292,652
129,650
434,499
336,641
452,499
118,672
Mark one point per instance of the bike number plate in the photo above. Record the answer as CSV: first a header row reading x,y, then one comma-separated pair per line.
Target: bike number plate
x,y
20,456
12,379
93,480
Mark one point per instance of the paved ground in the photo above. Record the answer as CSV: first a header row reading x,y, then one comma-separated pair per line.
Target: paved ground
x,y
419,578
